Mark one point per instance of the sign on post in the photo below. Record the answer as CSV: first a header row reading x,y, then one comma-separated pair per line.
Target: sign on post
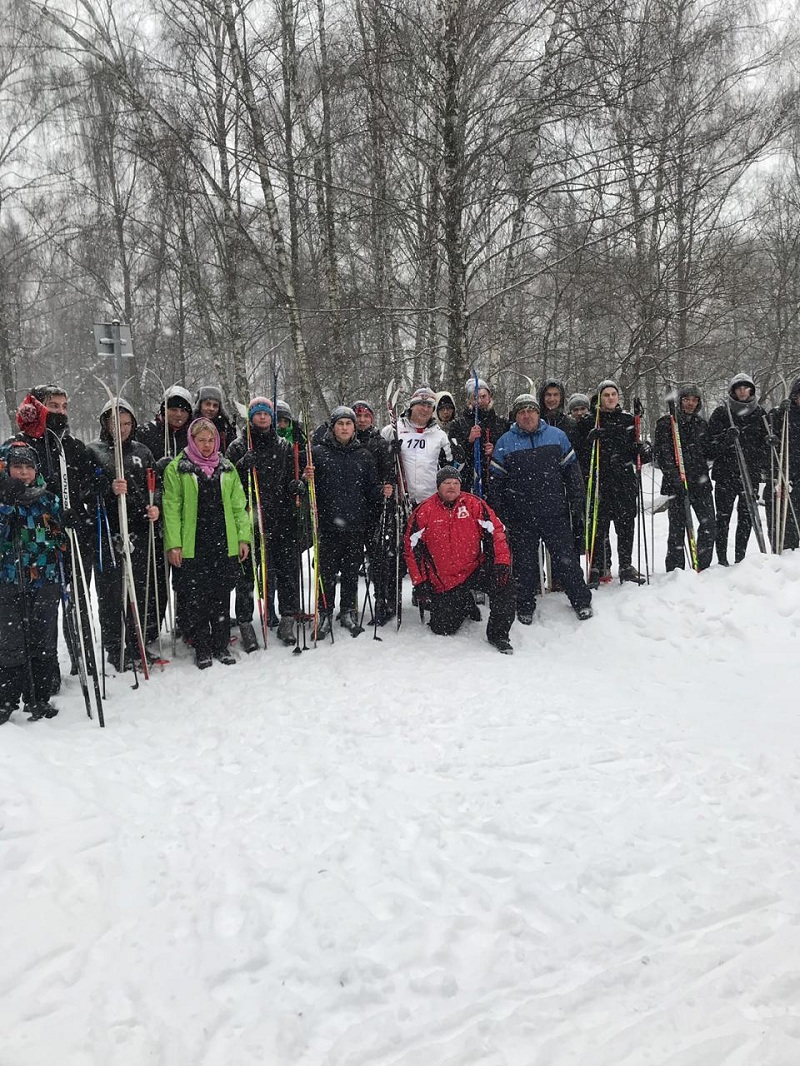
x,y
114,339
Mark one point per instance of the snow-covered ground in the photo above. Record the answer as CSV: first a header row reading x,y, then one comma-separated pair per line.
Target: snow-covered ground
x,y
422,853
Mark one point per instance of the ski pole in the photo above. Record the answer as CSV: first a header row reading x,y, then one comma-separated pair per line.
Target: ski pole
x,y
687,505
26,618
747,487
592,496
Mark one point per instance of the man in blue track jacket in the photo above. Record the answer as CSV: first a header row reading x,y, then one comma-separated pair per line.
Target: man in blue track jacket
x,y
535,483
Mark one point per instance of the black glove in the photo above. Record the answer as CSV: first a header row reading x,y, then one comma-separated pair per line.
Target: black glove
x,y
596,433
501,574
423,594
247,462
729,436
12,488
773,441
645,451
298,488
396,446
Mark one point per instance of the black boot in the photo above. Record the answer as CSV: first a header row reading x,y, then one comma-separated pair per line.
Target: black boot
x,y
286,631
247,637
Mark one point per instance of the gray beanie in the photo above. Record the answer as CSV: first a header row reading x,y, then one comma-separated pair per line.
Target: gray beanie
x,y
577,399
340,413
609,383
283,410
446,473
469,386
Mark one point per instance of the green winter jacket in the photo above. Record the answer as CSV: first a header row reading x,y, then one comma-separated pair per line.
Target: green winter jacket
x,y
179,506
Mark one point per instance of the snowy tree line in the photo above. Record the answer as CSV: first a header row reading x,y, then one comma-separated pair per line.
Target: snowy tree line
x,y
357,191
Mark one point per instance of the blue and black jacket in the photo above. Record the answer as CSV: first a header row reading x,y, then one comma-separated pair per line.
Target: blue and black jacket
x,y
535,475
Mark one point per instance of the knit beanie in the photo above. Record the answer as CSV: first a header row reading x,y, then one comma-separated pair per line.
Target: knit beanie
x,y
341,412
260,404
364,404
526,401
446,473
283,410
577,399
18,453
32,416
469,387
608,384
423,395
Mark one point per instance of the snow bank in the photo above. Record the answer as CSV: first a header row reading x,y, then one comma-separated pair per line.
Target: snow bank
x,y
422,853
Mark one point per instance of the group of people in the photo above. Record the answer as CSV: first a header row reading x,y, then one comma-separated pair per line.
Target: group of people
x,y
186,509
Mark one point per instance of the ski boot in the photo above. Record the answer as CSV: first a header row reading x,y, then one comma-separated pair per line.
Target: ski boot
x,y
247,636
41,709
286,631
584,613
349,621
502,644
630,573
224,656
203,658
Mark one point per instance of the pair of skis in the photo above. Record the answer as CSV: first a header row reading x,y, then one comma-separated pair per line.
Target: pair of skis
x,y
75,602
129,598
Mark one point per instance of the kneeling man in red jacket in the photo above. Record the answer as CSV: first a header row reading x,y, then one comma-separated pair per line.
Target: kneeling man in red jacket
x,y
455,543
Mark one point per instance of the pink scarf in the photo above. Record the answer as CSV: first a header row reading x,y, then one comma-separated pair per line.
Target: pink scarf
x,y
209,465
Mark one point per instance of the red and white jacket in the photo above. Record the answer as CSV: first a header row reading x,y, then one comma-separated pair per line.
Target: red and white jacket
x,y
445,544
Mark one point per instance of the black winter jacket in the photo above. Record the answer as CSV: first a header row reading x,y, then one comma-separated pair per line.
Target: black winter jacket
x,y
137,460
346,484
752,437
275,468
381,452
777,418
696,447
80,472
493,426
618,450
152,436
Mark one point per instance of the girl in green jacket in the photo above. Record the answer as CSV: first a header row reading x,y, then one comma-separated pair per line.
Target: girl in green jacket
x,y
207,537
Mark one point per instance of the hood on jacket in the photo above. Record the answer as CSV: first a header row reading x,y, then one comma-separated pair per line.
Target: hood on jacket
x,y
741,408
551,383
177,396
105,416
446,396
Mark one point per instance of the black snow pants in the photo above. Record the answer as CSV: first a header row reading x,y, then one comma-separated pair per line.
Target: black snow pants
x,y
726,492
340,552
37,641
558,538
702,502
450,609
